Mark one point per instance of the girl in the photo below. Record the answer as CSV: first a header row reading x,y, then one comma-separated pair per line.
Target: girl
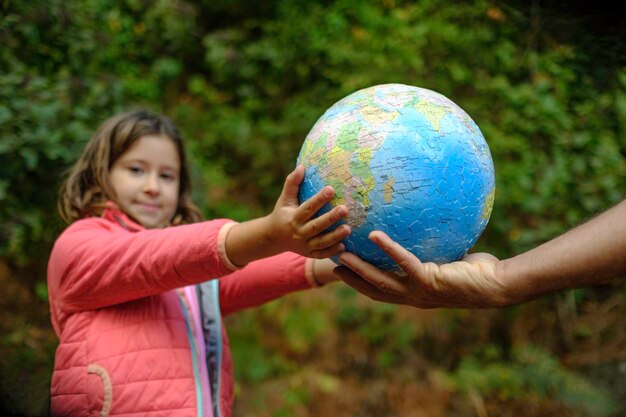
x,y
132,295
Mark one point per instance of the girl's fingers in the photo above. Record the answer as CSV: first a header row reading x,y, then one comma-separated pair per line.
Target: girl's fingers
x,y
329,239
313,204
327,252
318,225
291,186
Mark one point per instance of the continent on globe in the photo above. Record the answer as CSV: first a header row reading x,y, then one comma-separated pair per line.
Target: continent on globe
x,y
407,161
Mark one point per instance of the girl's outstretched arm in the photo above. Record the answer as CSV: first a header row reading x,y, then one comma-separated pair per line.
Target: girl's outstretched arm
x,y
96,262
271,278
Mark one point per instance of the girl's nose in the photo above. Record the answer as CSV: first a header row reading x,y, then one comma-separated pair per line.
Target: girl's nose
x,y
151,185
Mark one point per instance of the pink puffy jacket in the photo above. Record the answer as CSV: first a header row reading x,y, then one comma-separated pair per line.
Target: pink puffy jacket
x,y
127,332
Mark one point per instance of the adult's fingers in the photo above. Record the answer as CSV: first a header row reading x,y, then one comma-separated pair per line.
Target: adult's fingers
x,y
362,286
405,259
384,281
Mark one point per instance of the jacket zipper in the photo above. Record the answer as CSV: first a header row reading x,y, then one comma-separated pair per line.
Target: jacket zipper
x,y
194,358
218,377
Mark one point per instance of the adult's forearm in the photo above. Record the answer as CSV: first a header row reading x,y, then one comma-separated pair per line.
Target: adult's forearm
x,y
589,254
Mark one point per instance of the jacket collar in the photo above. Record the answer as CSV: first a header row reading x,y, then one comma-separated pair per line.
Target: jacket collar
x,y
114,214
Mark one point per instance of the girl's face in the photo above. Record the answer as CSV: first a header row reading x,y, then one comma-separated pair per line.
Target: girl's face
x,y
146,180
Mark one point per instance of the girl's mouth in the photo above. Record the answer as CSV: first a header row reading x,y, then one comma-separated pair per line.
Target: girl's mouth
x,y
148,207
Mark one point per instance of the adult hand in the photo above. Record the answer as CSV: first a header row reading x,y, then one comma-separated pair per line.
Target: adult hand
x,y
590,254
473,282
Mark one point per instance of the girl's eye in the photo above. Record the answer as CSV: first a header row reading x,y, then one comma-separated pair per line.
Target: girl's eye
x,y
168,177
135,170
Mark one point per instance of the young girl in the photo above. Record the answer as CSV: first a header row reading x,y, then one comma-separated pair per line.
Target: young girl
x,y
132,295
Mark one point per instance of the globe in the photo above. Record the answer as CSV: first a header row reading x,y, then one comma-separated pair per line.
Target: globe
x,y
407,161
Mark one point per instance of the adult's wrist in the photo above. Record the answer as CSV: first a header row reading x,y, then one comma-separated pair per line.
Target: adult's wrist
x,y
518,283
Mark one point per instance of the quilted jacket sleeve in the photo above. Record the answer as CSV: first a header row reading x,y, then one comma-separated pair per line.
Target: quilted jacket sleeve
x,y
264,280
96,263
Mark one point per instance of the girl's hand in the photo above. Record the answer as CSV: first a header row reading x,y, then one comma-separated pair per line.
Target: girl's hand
x,y
291,227
474,282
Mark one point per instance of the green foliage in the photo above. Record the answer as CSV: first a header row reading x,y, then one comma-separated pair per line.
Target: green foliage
x,y
530,372
36,139
260,363
25,379
247,86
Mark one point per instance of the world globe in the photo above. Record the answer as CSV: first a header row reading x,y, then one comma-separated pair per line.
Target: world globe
x,y
407,161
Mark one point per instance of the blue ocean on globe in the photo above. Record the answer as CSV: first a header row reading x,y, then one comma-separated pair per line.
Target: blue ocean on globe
x,y
407,161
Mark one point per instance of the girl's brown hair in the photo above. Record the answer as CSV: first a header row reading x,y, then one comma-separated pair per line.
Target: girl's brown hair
x,y
86,189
